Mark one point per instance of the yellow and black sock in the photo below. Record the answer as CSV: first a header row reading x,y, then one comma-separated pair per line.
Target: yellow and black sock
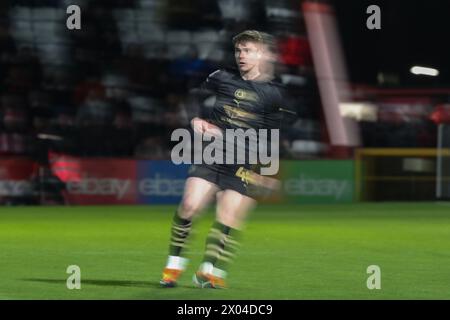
x,y
179,234
221,246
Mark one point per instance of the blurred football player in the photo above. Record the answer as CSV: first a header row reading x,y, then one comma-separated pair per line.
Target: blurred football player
x,y
248,98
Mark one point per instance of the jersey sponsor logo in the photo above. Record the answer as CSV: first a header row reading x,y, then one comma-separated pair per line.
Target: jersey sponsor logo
x,y
236,123
234,113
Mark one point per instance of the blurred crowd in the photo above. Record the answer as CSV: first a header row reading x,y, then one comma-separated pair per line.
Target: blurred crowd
x,y
120,85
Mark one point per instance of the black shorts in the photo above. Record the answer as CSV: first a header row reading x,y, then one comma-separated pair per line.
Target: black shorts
x,y
231,177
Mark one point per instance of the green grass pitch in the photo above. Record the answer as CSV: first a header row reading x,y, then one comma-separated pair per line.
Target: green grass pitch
x,y
288,252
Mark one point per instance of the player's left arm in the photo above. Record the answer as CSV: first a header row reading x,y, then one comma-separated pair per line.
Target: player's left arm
x,y
287,107
283,109
284,114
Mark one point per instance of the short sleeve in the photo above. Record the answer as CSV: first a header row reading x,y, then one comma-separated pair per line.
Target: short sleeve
x,y
212,81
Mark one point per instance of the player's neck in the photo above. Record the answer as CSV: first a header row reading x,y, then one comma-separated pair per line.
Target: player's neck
x,y
255,75
251,74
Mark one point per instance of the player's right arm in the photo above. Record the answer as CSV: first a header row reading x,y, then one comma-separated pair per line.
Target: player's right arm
x,y
198,124
201,126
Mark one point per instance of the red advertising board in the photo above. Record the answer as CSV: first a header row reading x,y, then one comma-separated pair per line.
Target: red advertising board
x,y
15,177
96,181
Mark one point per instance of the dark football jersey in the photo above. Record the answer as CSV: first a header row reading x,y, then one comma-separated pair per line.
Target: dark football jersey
x,y
246,104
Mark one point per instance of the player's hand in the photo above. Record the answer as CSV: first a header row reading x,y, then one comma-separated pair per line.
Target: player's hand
x,y
270,183
197,125
201,126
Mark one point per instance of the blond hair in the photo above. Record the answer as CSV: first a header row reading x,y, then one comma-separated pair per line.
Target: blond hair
x,y
256,37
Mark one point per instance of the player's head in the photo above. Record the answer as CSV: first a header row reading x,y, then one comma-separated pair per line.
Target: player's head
x,y
254,50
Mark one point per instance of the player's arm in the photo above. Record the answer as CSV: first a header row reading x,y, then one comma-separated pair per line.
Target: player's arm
x,y
208,88
287,108
265,181
199,94
258,180
285,114
202,126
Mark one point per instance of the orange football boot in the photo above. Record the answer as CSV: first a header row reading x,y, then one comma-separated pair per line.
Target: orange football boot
x,y
206,280
170,277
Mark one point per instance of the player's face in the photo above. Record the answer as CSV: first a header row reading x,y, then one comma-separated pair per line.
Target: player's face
x,y
247,55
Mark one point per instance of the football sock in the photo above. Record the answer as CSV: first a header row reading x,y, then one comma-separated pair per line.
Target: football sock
x,y
221,248
176,262
179,234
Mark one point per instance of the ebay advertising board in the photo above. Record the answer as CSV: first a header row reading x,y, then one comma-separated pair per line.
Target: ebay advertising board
x,y
161,182
118,181
15,177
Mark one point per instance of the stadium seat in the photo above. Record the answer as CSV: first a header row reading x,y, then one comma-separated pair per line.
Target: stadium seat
x,y
48,14
21,14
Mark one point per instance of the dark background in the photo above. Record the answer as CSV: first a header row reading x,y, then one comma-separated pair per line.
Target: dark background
x,y
412,33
